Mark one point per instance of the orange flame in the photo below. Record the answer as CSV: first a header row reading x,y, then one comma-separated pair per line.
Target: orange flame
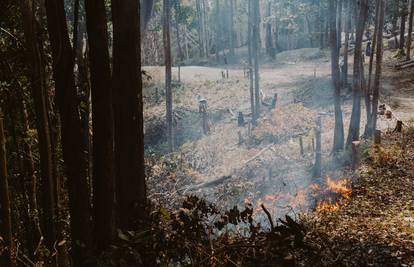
x,y
340,188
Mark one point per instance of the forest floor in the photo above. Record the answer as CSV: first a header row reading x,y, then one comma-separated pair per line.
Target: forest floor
x,y
372,226
267,166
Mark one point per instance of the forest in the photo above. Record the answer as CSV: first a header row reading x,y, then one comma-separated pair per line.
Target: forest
x,y
206,133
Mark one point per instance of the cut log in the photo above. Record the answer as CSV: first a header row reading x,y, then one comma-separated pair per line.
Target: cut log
x,y
208,184
406,66
405,62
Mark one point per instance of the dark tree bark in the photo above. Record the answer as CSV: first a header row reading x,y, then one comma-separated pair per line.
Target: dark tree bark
x,y
378,69
30,179
339,127
102,120
9,255
339,22
167,58
73,154
410,31
34,52
128,114
357,90
402,25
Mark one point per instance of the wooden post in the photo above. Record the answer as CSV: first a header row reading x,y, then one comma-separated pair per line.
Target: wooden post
x,y
240,119
313,144
249,129
317,172
240,137
227,73
8,258
274,101
301,146
398,127
377,137
355,154
179,73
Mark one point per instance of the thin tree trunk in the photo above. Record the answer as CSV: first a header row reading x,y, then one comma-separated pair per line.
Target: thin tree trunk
x,y
269,40
231,28
402,26
102,120
368,91
168,89
250,59
410,31
339,23
73,153
339,127
354,126
255,51
218,31
37,75
378,69
346,44
9,255
30,177
128,114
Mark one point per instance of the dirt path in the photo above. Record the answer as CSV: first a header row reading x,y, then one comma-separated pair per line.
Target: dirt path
x,y
398,88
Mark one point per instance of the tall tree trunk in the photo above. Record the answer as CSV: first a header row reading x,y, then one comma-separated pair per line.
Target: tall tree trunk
x,y
378,68
255,51
339,127
218,31
73,154
402,25
339,23
200,17
30,180
128,114
102,120
37,75
410,31
348,11
9,255
269,40
368,92
354,126
231,28
250,60
167,57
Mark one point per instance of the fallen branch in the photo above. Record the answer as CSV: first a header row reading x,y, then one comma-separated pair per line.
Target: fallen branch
x,y
406,66
402,63
208,184
268,216
258,154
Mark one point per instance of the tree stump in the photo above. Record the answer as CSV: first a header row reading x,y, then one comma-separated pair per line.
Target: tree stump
x,y
317,168
274,101
301,146
398,127
240,119
355,154
377,137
